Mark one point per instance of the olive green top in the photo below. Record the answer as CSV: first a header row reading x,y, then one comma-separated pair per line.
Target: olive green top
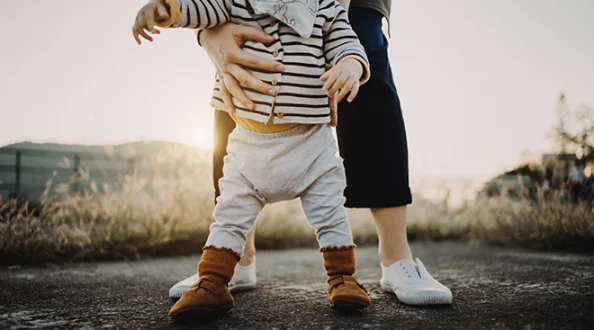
x,y
383,6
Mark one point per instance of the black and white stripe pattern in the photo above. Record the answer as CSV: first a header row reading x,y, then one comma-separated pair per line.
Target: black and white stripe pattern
x,y
300,97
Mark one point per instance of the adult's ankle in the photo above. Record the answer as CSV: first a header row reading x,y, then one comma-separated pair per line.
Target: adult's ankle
x,y
248,257
388,259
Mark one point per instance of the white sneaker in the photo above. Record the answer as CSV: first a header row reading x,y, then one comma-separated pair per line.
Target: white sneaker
x,y
243,279
413,285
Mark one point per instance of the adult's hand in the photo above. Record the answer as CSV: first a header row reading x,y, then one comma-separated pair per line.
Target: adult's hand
x,y
223,45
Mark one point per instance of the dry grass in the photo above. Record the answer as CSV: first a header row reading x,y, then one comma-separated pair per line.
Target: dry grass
x,y
170,215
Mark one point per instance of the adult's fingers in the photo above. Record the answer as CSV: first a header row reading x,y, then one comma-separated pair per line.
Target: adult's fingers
x,y
254,62
236,90
255,34
227,98
246,79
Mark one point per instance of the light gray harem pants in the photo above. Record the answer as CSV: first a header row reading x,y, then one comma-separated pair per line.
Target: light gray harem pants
x,y
267,168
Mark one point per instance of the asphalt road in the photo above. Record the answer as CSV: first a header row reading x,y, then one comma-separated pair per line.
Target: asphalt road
x,y
493,288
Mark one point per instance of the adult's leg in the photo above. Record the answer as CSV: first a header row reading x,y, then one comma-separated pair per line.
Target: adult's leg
x,y
390,223
372,140
373,144
223,126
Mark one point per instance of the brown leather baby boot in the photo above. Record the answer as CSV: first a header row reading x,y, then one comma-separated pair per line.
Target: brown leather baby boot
x,y
210,295
344,292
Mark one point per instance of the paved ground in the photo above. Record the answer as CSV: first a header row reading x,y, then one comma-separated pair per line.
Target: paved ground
x,y
493,288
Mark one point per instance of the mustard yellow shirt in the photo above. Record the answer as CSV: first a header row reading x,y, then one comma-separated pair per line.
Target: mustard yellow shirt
x,y
258,127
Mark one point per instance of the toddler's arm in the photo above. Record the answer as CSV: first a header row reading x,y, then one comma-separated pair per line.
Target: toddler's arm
x,y
201,14
350,66
193,14
341,42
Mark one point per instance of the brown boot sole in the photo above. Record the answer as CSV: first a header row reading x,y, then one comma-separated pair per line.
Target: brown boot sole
x,y
199,313
349,304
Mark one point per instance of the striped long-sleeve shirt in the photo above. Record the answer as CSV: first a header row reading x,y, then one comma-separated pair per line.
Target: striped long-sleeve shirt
x,y
300,98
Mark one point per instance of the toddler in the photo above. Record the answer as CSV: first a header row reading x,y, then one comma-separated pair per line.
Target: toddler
x,y
282,147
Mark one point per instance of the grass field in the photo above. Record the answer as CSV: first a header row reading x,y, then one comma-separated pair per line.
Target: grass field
x,y
170,214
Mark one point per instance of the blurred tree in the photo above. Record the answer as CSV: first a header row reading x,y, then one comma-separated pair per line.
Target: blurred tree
x,y
574,131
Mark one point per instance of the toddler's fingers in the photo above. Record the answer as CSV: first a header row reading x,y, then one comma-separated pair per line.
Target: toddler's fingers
x,y
330,81
151,27
141,25
345,89
340,82
135,34
354,91
135,29
150,22
145,35
140,20
325,76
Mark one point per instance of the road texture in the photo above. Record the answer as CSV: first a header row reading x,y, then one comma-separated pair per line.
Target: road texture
x,y
493,288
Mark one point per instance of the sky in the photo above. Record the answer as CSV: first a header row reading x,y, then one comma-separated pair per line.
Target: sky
x,y
478,80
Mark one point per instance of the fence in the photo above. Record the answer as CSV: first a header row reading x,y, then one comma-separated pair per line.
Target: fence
x,y
24,173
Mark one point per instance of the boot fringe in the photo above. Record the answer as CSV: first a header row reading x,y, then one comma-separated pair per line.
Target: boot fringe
x,y
338,248
222,249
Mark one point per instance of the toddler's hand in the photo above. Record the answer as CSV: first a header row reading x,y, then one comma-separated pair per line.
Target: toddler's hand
x,y
154,11
342,79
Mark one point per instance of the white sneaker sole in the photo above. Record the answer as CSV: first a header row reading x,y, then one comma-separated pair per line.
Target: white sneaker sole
x,y
419,300
176,292
243,287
